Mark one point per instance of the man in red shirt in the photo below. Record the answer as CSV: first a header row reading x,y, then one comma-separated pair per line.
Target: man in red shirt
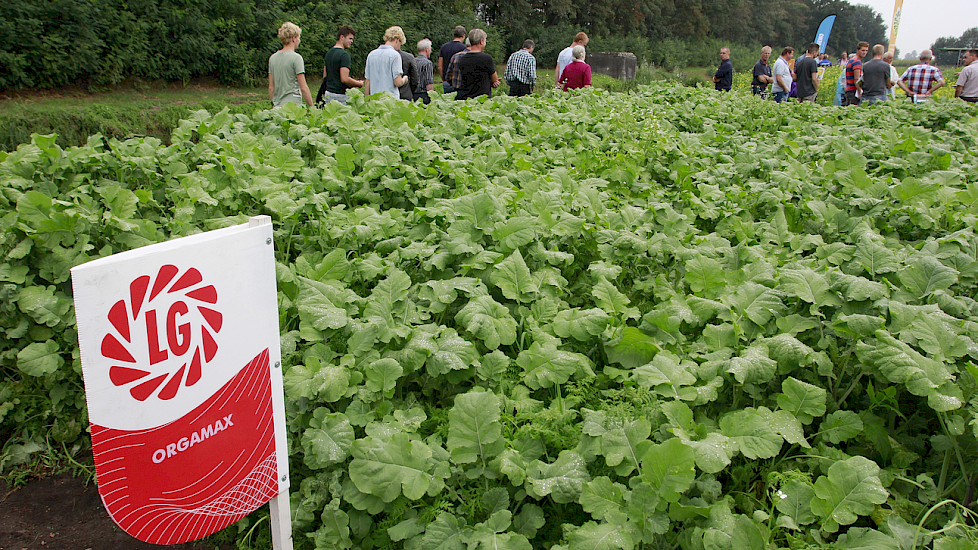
x,y
854,72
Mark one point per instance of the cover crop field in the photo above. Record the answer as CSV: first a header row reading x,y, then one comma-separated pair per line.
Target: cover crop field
x,y
666,319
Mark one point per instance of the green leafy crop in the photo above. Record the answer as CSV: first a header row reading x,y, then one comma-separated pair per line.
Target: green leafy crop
x,y
663,319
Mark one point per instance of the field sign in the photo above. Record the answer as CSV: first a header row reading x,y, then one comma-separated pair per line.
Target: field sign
x,y
180,354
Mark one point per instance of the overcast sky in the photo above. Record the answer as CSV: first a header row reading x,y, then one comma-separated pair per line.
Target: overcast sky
x,y
924,21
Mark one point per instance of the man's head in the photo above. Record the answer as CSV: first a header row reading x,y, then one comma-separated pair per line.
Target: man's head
x,y
724,53
528,45
812,50
477,38
394,34
788,52
581,39
878,51
765,53
344,36
925,56
862,49
459,32
289,31
888,57
970,57
424,47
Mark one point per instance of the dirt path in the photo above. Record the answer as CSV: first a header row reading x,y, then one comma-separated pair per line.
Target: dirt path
x,y
62,513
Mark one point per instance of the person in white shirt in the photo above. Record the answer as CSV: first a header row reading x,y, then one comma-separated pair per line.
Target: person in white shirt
x,y
894,75
782,75
566,56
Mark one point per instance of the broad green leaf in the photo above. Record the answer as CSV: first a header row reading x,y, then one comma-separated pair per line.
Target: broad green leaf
x,y
382,375
901,364
808,286
335,529
754,431
515,232
453,353
600,536
44,305
612,301
602,498
670,469
624,445
514,279
803,400
875,258
705,276
529,520
563,480
327,440
445,533
667,376
489,321
851,489
794,499
40,358
840,426
474,429
756,302
926,275
580,324
713,453
388,468
753,366
545,365
861,538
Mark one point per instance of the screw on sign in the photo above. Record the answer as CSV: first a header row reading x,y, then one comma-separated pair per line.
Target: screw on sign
x,y
174,340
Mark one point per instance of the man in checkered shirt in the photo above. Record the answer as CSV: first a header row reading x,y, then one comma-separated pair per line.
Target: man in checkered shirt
x,y
521,70
916,81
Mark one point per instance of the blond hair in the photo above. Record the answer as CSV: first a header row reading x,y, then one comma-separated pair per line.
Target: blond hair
x,y
394,33
288,31
878,50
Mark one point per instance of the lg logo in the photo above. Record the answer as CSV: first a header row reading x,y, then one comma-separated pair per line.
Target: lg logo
x,y
176,314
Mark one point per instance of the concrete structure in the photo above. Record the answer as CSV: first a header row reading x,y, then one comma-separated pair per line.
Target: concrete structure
x,y
620,65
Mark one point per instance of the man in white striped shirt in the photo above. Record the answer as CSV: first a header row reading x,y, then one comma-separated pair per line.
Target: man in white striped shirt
x,y
521,70
425,71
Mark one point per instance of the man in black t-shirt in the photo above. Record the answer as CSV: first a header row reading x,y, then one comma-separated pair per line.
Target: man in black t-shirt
x,y
476,68
762,74
806,74
448,50
336,71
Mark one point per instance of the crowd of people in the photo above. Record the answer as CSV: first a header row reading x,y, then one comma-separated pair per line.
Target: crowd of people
x,y
465,67
862,81
469,71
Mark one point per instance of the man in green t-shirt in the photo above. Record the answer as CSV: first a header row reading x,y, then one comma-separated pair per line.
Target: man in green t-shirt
x,y
336,72
287,71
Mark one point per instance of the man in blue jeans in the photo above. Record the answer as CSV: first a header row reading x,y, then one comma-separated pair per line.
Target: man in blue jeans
x,y
782,75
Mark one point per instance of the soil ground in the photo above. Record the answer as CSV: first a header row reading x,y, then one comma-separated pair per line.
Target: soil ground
x,y
62,513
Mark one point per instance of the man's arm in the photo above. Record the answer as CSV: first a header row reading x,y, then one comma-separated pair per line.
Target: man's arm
x,y
271,88
441,65
815,77
400,80
366,86
306,96
957,91
940,82
857,74
903,86
345,78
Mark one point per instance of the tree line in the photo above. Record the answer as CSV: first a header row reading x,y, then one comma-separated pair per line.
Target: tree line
x,y
101,42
